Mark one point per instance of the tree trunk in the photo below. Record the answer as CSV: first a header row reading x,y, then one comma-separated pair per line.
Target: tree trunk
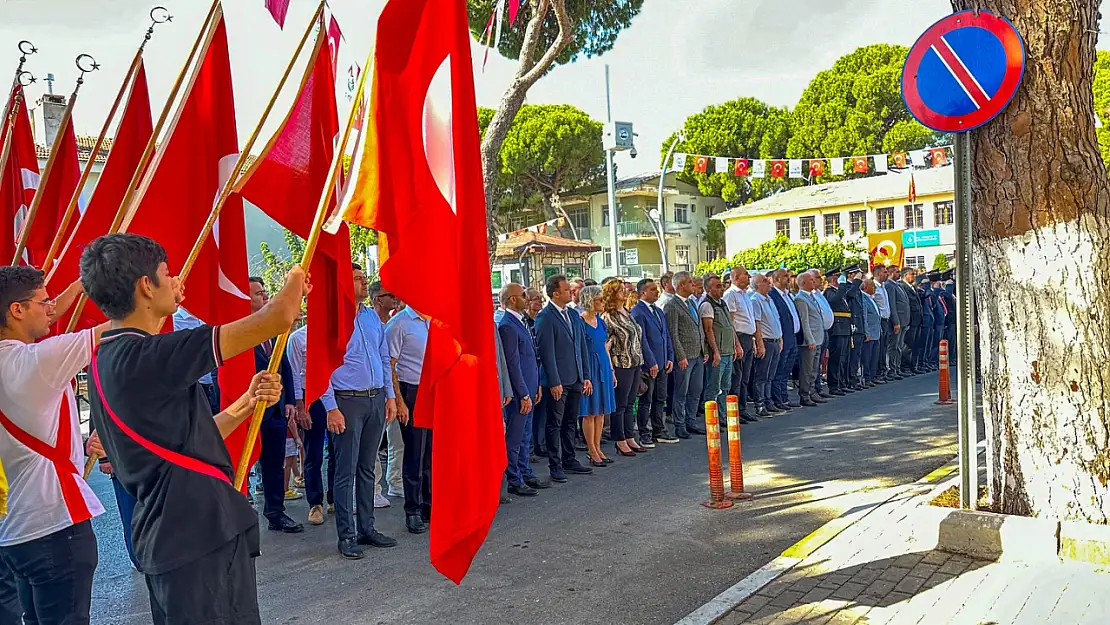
x,y
528,72
1041,203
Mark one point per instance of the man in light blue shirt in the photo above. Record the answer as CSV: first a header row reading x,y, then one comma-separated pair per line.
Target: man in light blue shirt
x,y
184,320
407,336
768,344
360,402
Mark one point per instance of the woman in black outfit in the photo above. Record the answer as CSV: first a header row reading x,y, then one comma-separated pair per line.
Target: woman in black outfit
x,y
627,357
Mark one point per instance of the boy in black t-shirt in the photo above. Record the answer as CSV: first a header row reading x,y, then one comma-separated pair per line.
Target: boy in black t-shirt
x,y
194,535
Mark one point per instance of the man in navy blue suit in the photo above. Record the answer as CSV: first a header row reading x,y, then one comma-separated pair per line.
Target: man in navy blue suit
x,y
275,425
564,376
791,326
658,363
524,378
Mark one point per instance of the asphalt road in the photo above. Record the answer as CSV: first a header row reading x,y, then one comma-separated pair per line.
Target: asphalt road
x,y
630,544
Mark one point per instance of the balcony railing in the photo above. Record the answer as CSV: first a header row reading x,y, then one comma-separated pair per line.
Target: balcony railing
x,y
649,271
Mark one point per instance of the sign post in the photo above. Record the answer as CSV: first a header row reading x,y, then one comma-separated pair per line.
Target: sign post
x,y
960,74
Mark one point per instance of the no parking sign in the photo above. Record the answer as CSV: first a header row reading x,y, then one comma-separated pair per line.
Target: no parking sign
x,y
963,71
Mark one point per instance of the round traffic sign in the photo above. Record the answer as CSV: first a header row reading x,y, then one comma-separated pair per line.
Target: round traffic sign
x,y
963,71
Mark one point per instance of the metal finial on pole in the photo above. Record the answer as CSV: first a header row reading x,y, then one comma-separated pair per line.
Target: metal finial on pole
x,y
84,66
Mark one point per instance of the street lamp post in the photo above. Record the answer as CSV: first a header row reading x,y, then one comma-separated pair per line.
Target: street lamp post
x,y
662,217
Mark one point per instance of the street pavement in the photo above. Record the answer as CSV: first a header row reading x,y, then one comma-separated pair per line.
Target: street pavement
x,y
630,544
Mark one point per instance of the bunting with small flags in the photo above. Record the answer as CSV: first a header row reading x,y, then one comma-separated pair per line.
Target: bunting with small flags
x,y
813,168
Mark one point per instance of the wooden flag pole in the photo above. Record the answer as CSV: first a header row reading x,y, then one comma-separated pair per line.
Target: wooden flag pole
x,y
67,119
158,15
11,106
203,36
306,261
229,184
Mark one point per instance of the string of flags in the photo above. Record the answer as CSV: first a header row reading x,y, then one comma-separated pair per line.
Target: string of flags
x,y
813,167
558,222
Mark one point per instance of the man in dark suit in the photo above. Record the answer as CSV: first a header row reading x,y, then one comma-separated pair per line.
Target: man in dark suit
x,y
524,379
275,425
859,330
909,274
791,326
839,334
564,376
658,363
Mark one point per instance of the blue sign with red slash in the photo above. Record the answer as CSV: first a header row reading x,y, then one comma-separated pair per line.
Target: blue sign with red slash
x,y
963,71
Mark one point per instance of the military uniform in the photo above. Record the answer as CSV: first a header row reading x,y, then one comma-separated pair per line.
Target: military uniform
x,y
855,306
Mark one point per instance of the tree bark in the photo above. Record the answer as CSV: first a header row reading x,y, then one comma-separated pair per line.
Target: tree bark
x,y
528,72
1041,202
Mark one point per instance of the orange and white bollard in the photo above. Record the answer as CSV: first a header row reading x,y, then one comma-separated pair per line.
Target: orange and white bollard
x,y
945,380
716,499
735,460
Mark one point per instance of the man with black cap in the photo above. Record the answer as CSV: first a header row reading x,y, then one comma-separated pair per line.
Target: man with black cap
x,y
854,276
948,295
925,334
840,333
908,275
940,316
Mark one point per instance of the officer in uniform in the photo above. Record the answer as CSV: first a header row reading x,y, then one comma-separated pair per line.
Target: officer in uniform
x,y
855,306
840,334
948,294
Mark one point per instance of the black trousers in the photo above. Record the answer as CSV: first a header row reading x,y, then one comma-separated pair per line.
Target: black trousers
x,y
623,422
908,347
314,457
272,461
54,575
838,362
855,358
416,468
561,421
649,418
742,372
11,612
219,588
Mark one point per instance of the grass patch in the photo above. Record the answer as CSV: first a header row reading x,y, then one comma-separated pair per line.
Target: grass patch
x,y
950,498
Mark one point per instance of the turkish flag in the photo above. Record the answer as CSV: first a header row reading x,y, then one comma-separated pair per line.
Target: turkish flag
x,y
859,164
175,199
286,181
939,156
61,176
278,10
20,177
420,185
701,164
778,169
132,135
817,168
899,159
740,167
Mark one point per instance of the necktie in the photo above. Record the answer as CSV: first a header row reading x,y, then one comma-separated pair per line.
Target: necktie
x,y
566,317
268,347
693,309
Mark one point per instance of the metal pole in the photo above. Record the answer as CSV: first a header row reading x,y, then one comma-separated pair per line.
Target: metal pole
x,y
965,328
611,183
662,209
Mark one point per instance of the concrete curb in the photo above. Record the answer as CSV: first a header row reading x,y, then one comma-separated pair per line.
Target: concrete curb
x,y
719,606
1008,538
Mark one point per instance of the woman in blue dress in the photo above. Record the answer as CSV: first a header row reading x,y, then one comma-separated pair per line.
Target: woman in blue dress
x,y
602,401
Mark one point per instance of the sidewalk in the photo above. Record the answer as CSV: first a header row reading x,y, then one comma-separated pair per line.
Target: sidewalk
x,y
877,564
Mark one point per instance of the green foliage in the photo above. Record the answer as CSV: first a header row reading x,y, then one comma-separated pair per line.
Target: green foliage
x,y
780,252
596,26
742,128
275,266
485,116
361,238
1102,103
856,108
940,263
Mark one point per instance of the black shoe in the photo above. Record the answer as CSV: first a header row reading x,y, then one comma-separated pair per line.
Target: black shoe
x,y
666,439
809,403
537,483
782,407
577,469
647,443
837,393
794,404
700,431
415,525
747,418
349,549
825,394
818,399
598,463
377,539
286,525
558,476
542,453
683,434
773,409
763,413
523,490
847,389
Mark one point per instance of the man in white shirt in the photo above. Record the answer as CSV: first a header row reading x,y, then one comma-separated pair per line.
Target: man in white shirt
x,y
313,420
50,506
884,313
739,305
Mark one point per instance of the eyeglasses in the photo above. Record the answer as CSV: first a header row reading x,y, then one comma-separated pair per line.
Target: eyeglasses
x,y
49,303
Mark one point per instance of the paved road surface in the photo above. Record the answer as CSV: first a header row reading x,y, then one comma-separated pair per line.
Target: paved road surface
x,y
630,544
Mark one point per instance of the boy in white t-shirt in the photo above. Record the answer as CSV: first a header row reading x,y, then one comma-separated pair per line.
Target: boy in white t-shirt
x,y
46,539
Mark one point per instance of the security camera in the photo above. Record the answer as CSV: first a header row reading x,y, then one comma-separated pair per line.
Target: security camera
x,y
633,153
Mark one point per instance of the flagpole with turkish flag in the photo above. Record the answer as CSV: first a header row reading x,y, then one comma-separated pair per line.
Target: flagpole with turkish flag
x,y
420,186
58,180
203,36
19,168
290,174
158,15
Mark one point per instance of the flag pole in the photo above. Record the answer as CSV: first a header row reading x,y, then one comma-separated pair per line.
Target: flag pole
x,y
202,36
158,15
244,154
306,261
67,119
11,105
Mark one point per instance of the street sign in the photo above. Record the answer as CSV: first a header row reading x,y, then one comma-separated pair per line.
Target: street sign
x,y
920,238
963,71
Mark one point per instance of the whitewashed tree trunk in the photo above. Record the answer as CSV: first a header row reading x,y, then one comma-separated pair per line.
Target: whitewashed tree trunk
x,y
1042,272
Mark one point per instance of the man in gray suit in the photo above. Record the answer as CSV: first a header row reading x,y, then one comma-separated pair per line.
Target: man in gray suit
x,y
813,335
899,303
689,355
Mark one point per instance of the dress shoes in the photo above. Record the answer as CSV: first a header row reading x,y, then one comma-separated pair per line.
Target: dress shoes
x,y
782,407
666,439
817,399
286,525
558,476
700,431
377,539
415,525
522,490
349,549
825,394
316,515
578,469
793,404
809,403
537,483
763,413
837,393
683,434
